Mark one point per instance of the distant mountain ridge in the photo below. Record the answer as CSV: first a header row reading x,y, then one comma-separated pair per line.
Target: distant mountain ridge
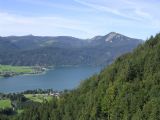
x,y
64,50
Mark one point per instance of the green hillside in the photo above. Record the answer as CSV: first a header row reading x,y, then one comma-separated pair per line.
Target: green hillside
x,y
129,89
6,103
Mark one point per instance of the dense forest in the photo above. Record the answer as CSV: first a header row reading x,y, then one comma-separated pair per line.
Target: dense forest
x,y
128,89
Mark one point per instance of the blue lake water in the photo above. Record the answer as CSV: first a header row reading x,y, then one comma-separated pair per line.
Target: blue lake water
x,y
57,79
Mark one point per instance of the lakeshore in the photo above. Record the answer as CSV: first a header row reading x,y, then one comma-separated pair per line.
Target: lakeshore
x,y
57,78
10,71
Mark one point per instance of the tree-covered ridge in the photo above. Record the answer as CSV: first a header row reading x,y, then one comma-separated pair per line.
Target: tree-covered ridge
x,y
64,50
128,89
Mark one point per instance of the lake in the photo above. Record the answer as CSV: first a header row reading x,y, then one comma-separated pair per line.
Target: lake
x,y
57,79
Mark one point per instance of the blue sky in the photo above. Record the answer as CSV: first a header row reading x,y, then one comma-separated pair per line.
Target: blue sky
x,y
80,18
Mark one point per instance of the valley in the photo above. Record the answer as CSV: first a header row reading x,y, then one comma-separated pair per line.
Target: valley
x,y
126,89
79,60
57,78
27,78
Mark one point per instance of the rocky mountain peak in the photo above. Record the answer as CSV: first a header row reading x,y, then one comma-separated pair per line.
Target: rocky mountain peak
x,y
111,35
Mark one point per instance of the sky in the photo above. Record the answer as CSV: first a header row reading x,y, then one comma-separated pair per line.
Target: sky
x,y
80,18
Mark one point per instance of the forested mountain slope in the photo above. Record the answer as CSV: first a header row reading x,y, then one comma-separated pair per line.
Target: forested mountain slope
x,y
128,89
63,50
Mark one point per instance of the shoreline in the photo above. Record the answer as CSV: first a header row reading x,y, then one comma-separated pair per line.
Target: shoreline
x,y
36,70
39,70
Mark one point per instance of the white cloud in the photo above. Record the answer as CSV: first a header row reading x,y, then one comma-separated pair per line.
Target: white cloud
x,y
105,8
54,5
45,25
81,18
138,10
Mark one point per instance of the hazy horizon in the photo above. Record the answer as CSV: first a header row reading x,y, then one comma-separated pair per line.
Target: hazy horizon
x,y
79,18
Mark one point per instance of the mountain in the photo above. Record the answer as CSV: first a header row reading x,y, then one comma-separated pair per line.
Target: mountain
x,y
112,39
128,89
33,42
6,45
64,50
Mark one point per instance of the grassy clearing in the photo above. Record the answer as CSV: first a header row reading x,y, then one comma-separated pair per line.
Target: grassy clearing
x,y
19,111
17,69
38,97
5,104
